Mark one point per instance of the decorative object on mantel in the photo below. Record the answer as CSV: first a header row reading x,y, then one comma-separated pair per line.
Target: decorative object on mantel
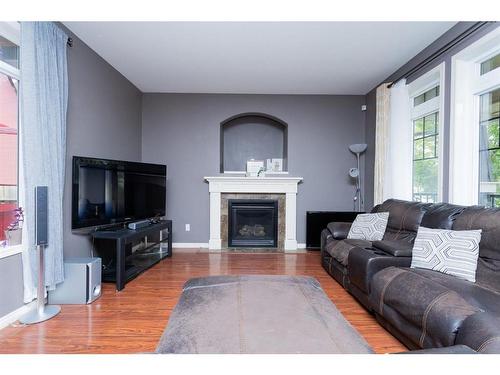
x,y
255,168
274,165
14,232
355,173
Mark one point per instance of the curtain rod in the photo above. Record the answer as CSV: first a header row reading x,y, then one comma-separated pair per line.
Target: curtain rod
x,y
471,30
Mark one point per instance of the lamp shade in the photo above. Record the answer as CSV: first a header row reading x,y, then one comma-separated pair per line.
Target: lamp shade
x,y
358,148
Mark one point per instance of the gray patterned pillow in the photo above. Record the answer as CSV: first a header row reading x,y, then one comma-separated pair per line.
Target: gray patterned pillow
x,y
454,252
370,227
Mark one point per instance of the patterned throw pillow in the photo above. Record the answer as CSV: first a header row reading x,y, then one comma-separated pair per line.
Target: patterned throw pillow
x,y
454,252
370,227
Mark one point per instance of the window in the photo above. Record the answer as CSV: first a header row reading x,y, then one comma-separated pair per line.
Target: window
x,y
474,125
9,52
490,64
426,96
426,118
425,158
9,149
489,149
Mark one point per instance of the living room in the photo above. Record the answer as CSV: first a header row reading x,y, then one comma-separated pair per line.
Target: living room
x,y
317,185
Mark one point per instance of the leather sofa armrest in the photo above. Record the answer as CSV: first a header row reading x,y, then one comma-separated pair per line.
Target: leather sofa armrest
x,y
481,332
339,230
394,248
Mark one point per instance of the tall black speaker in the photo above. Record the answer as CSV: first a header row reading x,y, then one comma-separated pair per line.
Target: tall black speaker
x,y
41,215
42,312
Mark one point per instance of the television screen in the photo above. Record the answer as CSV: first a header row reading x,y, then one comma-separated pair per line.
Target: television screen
x,y
111,192
144,195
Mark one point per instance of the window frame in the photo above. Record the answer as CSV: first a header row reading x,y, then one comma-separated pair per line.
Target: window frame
x,y
12,32
467,85
434,77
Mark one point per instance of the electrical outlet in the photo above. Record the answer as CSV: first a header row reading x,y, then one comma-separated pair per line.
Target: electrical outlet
x,y
188,227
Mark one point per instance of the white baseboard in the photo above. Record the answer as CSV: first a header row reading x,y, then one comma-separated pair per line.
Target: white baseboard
x,y
204,245
16,314
189,245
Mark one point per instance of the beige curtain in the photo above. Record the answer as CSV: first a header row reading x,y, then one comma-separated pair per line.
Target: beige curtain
x,y
382,139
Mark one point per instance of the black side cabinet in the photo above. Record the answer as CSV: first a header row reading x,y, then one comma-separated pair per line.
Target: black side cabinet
x,y
316,221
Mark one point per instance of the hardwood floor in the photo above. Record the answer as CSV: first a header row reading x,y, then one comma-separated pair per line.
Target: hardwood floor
x,y
133,320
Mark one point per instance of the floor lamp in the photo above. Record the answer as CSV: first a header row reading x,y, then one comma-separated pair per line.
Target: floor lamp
x,y
43,312
355,173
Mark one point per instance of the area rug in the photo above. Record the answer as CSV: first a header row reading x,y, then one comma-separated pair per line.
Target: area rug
x,y
258,314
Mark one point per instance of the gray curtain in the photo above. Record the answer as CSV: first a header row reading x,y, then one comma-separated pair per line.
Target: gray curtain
x,y
44,99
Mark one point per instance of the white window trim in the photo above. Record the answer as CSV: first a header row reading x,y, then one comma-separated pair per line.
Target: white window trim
x,y
12,32
8,251
423,83
466,86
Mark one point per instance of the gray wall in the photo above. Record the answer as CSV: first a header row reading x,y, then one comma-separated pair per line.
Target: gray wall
x,y
182,130
104,120
11,284
433,47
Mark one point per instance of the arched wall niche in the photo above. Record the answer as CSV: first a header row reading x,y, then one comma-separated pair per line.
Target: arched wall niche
x,y
252,135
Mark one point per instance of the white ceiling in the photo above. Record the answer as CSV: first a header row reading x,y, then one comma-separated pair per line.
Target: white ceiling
x,y
258,57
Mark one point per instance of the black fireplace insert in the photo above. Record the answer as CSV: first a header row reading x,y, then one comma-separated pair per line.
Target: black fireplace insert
x,y
253,223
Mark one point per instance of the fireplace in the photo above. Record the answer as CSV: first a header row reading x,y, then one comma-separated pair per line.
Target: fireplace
x,y
252,223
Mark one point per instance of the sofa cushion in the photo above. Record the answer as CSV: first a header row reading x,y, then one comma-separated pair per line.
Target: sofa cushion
x,y
369,227
447,251
429,313
481,332
455,349
474,293
404,219
441,215
339,250
488,220
488,272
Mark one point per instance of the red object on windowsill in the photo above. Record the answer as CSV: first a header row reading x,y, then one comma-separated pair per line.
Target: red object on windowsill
x,y
7,216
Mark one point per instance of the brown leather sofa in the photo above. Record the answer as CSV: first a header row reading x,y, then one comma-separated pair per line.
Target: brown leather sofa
x,y
423,308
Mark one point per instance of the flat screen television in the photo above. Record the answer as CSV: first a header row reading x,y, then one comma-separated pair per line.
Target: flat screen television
x,y
111,192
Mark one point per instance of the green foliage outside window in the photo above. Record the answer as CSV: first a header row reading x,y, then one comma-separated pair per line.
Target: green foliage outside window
x,y
425,158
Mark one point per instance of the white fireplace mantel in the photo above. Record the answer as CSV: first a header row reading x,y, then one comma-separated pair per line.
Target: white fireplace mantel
x,y
241,184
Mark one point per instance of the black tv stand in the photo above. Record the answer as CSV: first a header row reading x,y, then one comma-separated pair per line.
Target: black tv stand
x,y
111,229
128,266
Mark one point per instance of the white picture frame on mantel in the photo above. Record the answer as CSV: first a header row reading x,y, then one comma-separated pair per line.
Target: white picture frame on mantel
x,y
254,167
274,165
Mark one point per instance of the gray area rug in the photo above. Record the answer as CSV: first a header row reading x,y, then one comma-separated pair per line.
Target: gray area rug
x,y
258,314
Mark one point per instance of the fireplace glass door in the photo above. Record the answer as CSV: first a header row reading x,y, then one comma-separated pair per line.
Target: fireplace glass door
x,y
253,223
